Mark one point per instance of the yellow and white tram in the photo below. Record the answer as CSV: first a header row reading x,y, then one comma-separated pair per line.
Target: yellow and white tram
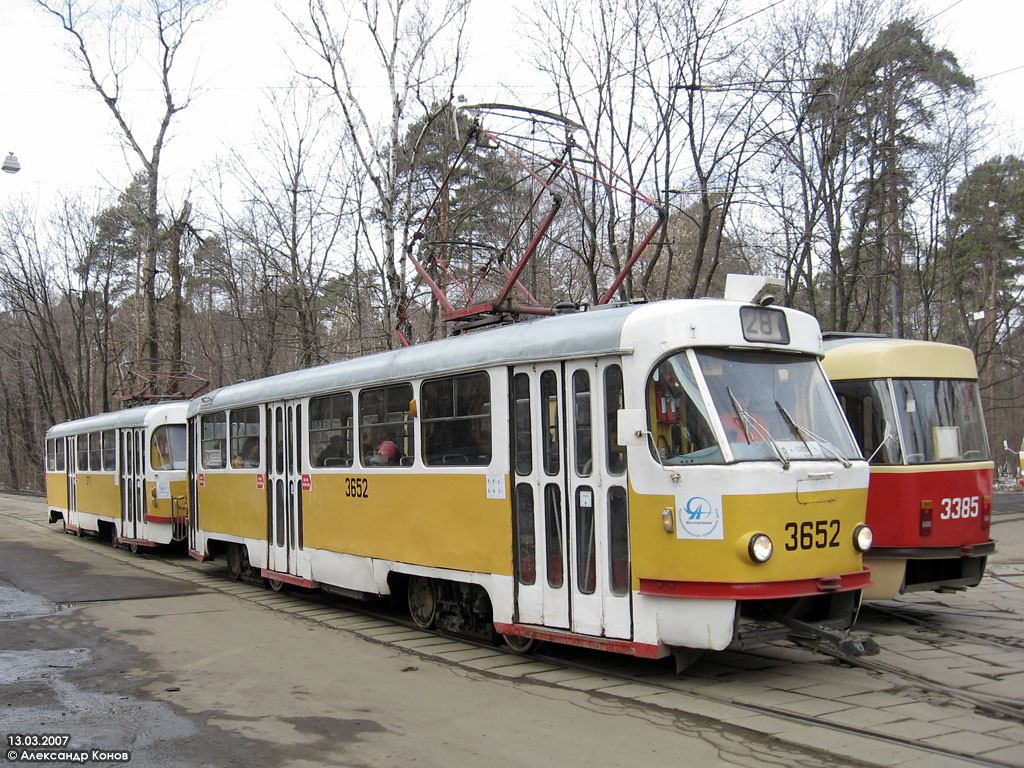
x,y
122,475
641,478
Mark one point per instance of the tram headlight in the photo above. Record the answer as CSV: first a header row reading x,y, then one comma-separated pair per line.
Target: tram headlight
x,y
863,538
759,548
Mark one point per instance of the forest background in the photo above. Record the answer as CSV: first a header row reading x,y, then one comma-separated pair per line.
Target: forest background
x,y
835,146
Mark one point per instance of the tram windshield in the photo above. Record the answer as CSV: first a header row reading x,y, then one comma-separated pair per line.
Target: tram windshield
x,y
940,420
771,406
167,448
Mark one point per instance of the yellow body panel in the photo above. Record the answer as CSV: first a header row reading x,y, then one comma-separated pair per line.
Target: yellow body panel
x,y
57,490
232,503
176,506
658,554
96,494
441,521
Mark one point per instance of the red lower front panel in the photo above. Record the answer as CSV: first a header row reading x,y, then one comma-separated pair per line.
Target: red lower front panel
x,y
930,506
764,590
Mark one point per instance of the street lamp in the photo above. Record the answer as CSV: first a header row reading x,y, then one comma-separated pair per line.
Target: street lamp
x,y
11,164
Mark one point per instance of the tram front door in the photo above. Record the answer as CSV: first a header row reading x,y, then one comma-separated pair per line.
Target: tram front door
x,y
284,478
132,473
71,459
570,514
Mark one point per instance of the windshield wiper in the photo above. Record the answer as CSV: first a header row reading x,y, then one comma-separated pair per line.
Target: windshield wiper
x,y
759,429
799,431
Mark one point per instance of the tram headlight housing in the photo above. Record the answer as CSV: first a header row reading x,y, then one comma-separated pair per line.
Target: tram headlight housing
x,y
863,538
759,547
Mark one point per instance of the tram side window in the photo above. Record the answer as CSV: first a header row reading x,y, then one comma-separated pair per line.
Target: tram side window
x,y
167,447
550,428
386,430
330,430
109,450
95,451
868,408
525,537
58,455
457,420
614,400
618,541
678,417
522,440
82,460
245,438
51,447
582,423
214,440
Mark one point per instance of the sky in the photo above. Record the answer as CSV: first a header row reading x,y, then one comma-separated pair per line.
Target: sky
x,y
66,142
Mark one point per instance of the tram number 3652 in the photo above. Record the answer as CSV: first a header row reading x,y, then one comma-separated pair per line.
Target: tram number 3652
x,y
960,508
812,534
357,487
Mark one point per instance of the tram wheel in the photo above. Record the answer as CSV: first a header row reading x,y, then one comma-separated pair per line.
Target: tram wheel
x,y
276,585
234,558
422,596
520,643
134,548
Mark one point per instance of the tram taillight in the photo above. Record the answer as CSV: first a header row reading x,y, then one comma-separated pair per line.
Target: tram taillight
x,y
986,512
926,518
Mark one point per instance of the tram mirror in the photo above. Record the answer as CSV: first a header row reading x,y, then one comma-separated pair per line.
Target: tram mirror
x,y
632,424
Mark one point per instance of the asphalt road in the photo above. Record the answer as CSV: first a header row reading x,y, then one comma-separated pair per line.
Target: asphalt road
x,y
118,658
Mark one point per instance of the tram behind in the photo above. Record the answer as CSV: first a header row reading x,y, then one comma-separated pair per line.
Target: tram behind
x,y
915,409
121,475
639,479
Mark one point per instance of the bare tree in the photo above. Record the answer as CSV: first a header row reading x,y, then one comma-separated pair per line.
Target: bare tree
x,y
414,54
105,43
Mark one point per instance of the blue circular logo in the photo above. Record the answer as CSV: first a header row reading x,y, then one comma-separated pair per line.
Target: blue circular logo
x,y
698,517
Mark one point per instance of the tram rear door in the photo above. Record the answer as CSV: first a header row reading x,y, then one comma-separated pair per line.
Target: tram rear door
x,y
284,475
570,519
71,466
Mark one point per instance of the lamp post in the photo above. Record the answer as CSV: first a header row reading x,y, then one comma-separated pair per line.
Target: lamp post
x,y
11,164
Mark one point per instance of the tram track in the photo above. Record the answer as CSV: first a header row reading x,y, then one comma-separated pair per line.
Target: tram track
x,y
363,619
621,669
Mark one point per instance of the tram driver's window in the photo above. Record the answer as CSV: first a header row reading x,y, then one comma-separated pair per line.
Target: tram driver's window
x,y
330,430
386,430
678,418
457,420
167,447
214,440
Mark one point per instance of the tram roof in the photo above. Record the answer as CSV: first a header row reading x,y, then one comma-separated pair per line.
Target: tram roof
x,y
577,335
581,334
863,357
138,416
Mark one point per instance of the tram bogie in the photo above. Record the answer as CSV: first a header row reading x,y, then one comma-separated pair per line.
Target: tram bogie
x,y
916,411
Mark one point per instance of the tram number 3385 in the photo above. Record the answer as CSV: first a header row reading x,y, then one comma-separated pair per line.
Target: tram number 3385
x,y
960,508
812,534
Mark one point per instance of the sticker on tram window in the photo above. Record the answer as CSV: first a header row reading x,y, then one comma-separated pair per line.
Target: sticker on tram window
x,y
764,325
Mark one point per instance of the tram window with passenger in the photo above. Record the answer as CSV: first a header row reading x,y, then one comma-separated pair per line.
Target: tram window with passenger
x,y
245,438
330,430
386,431
456,420
214,440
